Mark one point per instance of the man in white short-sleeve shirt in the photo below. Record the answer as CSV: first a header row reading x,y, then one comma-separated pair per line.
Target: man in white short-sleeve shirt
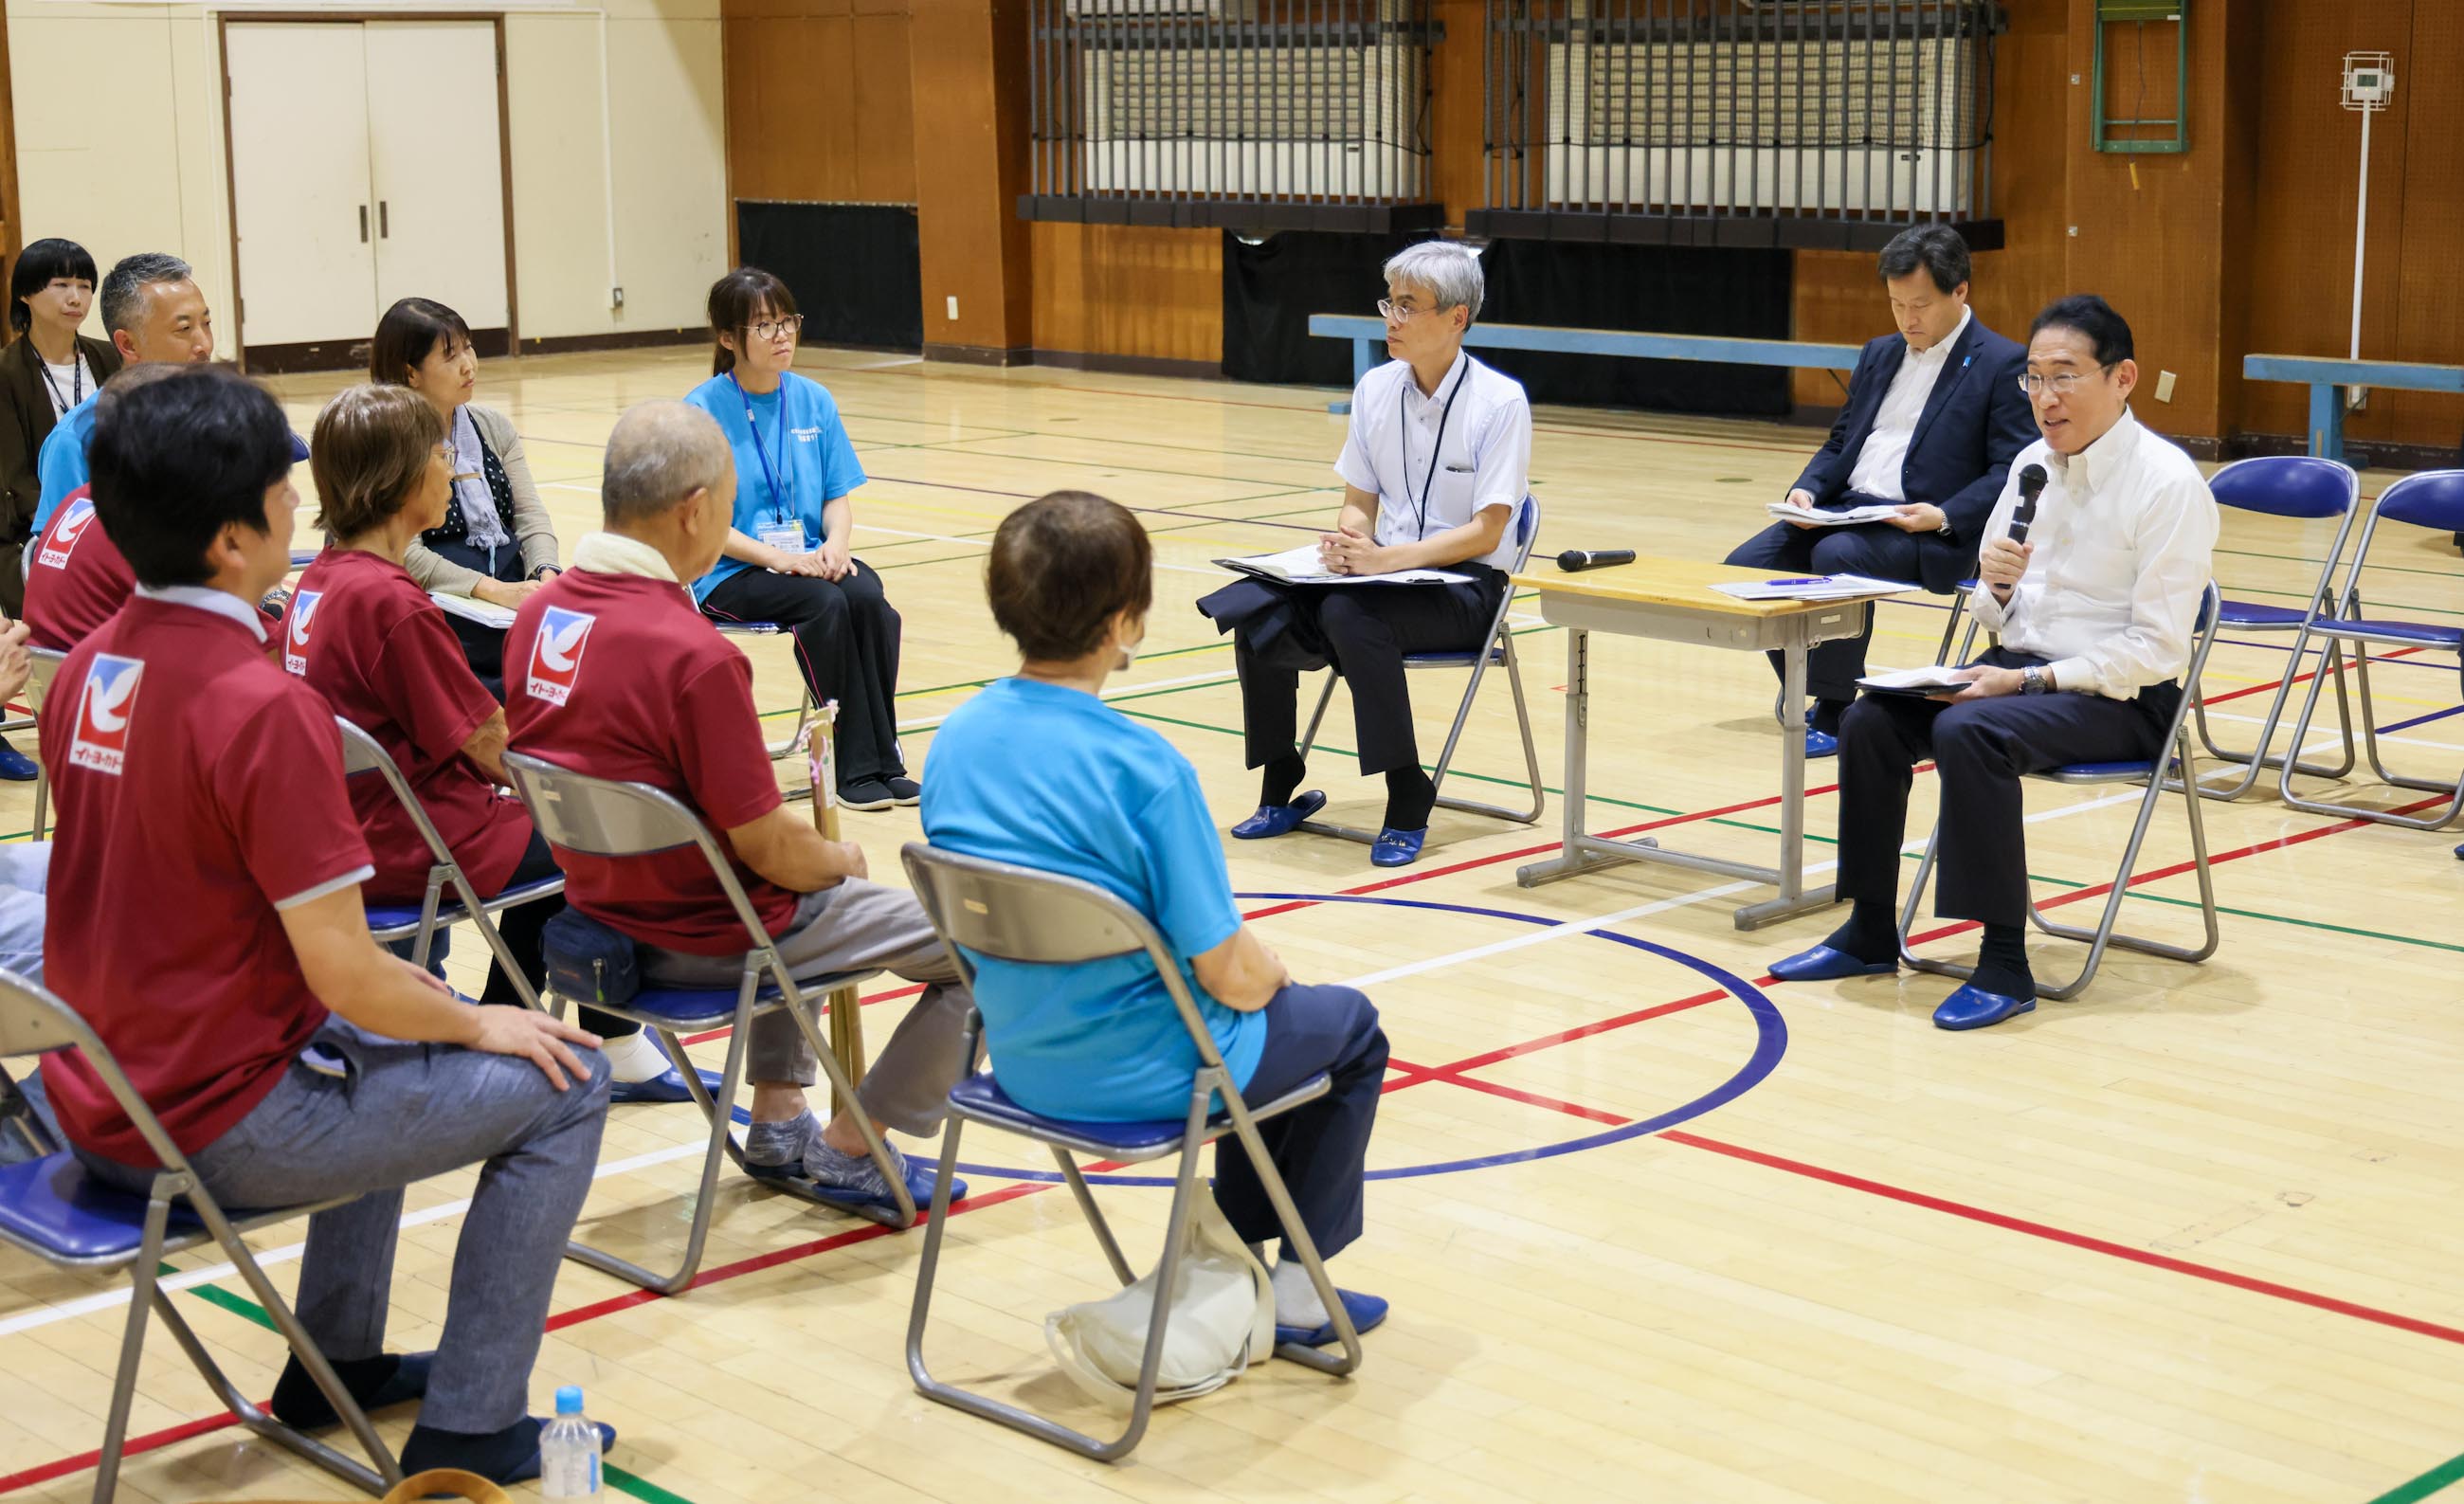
x,y
1435,469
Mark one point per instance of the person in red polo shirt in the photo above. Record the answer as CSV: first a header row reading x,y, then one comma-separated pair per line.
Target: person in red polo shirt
x,y
367,638
611,671
209,870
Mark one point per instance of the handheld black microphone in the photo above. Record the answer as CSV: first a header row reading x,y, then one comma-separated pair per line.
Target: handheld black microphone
x,y
1575,559
2032,484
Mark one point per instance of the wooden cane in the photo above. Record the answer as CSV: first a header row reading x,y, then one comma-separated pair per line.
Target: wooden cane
x,y
846,1018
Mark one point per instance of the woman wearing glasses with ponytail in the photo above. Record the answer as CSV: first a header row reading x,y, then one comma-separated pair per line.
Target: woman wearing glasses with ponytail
x,y
786,559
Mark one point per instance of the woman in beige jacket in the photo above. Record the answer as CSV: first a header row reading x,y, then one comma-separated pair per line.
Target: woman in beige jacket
x,y
496,542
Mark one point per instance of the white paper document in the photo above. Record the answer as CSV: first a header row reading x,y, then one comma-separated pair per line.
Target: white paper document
x,y
1302,565
1928,681
469,609
1815,517
1816,587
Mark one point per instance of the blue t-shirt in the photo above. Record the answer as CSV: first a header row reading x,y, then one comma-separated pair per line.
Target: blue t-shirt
x,y
1055,780
792,457
61,463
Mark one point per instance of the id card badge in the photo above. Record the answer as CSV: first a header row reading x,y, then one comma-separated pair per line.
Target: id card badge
x,y
787,537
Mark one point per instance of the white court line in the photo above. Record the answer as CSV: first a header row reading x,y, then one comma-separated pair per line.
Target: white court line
x,y
2410,742
1124,691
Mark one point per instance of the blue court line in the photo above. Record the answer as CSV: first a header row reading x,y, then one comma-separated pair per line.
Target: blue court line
x,y
1770,1043
2435,714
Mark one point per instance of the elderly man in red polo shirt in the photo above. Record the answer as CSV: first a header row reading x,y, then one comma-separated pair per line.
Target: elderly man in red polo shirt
x,y
611,671
208,870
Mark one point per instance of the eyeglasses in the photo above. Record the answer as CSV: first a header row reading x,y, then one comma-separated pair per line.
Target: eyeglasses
x,y
1394,312
2035,385
772,328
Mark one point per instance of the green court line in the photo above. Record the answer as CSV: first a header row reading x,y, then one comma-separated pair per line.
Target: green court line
x,y
2446,1474
640,1487
1152,532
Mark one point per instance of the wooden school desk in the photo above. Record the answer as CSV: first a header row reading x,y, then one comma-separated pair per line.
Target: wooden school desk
x,y
1671,600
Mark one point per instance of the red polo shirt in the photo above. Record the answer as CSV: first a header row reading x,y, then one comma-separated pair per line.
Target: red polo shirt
x,y
619,677
369,640
75,576
197,787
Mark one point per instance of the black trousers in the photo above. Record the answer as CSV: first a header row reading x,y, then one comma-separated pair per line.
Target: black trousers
x,y
1365,630
1980,749
1321,1147
1878,549
483,645
846,644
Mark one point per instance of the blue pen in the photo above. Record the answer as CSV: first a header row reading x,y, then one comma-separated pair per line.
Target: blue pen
x,y
1819,579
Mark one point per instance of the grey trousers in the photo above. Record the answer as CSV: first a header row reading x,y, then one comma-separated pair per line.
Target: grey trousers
x,y
852,926
398,1112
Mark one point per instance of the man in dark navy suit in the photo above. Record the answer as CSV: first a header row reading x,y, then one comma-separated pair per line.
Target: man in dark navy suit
x,y
1934,416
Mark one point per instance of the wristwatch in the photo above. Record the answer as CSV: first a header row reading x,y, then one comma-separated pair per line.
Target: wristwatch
x,y
2032,680
544,571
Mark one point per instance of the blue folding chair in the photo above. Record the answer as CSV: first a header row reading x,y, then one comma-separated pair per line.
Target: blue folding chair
x,y
56,1211
600,817
987,908
2153,773
2435,500
45,668
1497,648
2307,489
361,754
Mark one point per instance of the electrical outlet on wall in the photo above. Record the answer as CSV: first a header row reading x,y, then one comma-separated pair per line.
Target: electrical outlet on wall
x,y
616,298
953,305
2163,385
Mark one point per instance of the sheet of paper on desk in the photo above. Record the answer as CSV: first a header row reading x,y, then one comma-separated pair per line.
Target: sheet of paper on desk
x,y
1815,587
1816,517
1302,565
486,614
1914,681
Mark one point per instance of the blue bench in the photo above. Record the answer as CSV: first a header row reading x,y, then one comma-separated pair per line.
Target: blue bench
x,y
2327,377
1368,337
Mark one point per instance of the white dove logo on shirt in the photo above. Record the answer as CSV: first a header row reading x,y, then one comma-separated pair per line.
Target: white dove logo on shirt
x,y
104,707
555,653
294,652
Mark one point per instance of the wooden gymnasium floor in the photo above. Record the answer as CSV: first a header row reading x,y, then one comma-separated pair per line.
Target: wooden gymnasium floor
x,y
2194,1236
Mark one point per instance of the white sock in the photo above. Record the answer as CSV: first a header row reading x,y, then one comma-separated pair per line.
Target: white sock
x,y
634,1057
1296,1301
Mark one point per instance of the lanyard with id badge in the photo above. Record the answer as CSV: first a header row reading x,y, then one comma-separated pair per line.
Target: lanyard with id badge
x,y
781,532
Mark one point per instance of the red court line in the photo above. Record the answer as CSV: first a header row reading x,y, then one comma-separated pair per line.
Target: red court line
x,y
87,1459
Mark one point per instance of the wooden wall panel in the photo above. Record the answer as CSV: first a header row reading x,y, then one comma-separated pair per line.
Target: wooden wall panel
x,y
1129,290
970,167
884,106
1455,125
819,103
2430,278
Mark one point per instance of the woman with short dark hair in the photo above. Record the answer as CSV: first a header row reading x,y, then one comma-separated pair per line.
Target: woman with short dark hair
x,y
1038,771
495,541
47,369
786,559
367,638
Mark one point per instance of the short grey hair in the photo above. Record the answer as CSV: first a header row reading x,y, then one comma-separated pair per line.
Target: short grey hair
x,y
1448,271
660,454
123,287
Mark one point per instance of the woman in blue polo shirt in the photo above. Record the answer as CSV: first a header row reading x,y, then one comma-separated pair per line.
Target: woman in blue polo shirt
x,y
786,559
1107,801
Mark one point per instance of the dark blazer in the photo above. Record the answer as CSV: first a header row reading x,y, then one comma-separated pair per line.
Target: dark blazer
x,y
1975,422
26,420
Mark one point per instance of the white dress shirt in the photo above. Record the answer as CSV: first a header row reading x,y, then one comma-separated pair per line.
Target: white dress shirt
x,y
2125,537
1482,458
1885,454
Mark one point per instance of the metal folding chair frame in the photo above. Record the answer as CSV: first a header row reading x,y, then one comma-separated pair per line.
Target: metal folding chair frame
x,y
361,753
602,817
971,904
780,751
1497,647
45,668
2258,760
32,1020
2104,935
2340,630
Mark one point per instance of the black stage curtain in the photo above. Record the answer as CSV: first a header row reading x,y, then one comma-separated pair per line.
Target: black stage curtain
x,y
1271,288
854,267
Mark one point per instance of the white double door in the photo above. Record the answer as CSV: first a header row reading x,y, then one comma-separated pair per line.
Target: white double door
x,y
367,166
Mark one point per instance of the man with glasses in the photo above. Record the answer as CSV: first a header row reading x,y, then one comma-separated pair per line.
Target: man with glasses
x,y
1437,459
2094,613
1930,427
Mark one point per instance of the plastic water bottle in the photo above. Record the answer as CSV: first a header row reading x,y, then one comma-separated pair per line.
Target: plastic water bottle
x,y
569,1452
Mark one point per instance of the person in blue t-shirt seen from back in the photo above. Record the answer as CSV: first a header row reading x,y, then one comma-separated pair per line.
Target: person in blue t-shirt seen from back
x,y
786,559
1036,770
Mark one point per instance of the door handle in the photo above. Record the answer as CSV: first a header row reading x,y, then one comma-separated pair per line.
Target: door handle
x,y
384,221
363,224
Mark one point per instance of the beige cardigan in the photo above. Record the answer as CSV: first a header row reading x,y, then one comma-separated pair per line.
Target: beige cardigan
x,y
532,533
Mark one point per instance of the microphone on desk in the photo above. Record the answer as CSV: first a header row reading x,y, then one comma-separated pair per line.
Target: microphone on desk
x,y
1577,559
2032,484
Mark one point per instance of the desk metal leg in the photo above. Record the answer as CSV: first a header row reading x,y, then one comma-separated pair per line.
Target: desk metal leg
x,y
1580,851
1793,898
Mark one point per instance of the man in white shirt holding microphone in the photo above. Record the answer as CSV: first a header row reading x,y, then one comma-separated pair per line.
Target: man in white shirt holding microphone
x,y
2096,613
